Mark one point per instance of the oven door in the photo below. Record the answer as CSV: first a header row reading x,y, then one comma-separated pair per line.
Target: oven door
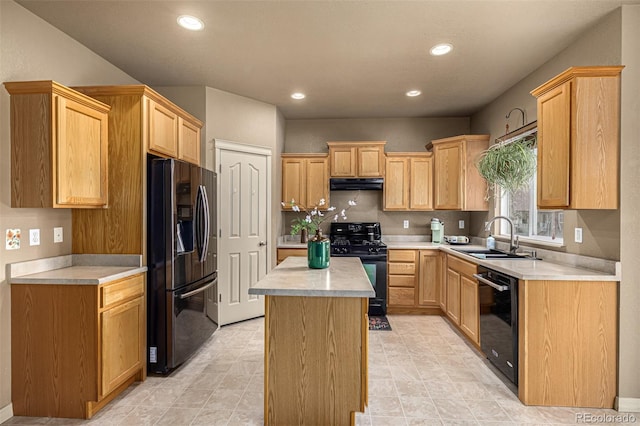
x,y
376,268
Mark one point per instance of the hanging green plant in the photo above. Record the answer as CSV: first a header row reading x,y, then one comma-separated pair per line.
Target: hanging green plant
x,y
510,166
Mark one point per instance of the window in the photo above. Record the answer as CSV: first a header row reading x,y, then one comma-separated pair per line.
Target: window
x,y
541,226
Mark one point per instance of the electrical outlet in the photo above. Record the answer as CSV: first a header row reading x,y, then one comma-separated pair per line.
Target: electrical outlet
x,y
578,235
461,224
57,235
405,224
34,237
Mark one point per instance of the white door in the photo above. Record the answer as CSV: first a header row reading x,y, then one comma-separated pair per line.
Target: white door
x,y
244,220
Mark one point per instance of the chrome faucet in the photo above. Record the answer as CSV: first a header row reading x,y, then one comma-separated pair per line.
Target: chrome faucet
x,y
513,244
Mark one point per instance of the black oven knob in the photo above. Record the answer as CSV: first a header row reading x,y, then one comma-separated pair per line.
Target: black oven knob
x,y
374,250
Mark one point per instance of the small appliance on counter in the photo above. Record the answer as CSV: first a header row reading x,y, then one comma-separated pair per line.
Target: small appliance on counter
x,y
437,230
456,239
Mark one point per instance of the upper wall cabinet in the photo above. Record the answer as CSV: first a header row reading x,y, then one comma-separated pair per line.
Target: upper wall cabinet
x,y
578,139
408,181
141,121
356,159
457,183
59,144
305,179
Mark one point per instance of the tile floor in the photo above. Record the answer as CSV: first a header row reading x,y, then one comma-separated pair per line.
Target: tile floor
x,y
421,373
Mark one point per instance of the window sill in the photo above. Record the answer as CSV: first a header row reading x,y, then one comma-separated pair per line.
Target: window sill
x,y
528,240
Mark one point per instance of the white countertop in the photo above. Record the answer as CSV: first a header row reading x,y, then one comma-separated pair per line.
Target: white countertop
x,y
76,269
345,277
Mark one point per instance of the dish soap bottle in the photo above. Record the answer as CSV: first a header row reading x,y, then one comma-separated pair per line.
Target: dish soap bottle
x,y
491,242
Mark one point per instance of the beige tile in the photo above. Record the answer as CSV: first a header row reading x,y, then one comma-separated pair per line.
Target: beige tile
x,y
388,421
520,413
442,389
363,419
414,388
242,418
208,381
178,416
473,390
224,399
141,416
192,398
212,417
419,407
385,406
23,420
488,411
417,421
453,409
162,396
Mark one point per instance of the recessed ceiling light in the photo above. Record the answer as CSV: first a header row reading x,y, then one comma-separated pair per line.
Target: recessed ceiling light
x,y
441,49
298,95
413,93
190,22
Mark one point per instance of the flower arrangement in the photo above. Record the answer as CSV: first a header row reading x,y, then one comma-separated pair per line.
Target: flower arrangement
x,y
313,218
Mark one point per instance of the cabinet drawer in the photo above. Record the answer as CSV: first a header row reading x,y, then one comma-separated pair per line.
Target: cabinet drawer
x,y
402,255
461,266
402,268
119,291
402,281
401,296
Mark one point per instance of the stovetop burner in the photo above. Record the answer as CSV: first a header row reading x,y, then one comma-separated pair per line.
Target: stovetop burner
x,y
362,238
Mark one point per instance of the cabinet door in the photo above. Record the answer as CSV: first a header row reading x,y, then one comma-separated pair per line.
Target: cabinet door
x,y
163,130
554,138
81,160
188,142
317,182
343,161
448,186
122,343
429,274
469,308
396,184
293,181
442,283
453,295
421,194
370,161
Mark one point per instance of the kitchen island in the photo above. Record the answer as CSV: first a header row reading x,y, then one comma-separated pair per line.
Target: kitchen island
x,y
316,342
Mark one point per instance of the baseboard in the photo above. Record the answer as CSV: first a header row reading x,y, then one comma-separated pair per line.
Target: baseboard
x,y
627,405
6,413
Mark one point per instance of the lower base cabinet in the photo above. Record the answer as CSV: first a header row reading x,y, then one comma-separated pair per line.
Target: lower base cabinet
x,y
462,300
286,252
75,347
413,279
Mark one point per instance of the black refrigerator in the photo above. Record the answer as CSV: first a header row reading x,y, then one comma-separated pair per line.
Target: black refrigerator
x,y
181,259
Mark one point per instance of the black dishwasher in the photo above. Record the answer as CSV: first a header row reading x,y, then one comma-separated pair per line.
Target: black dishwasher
x,y
499,320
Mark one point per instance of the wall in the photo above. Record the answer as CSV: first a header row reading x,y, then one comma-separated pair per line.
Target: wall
x,y
608,234
402,135
239,119
629,358
600,45
31,49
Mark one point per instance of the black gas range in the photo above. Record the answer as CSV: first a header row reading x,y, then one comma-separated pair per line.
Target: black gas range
x,y
363,240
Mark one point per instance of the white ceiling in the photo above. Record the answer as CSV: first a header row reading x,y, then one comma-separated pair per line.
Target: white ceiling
x,y
351,58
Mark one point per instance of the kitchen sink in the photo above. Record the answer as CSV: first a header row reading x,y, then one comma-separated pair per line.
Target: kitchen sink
x,y
491,254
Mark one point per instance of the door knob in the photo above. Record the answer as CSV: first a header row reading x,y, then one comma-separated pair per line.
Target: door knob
x,y
262,243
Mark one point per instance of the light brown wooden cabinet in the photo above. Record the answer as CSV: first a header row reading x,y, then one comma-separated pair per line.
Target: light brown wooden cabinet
x,y
59,141
568,350
413,280
305,179
355,159
457,183
408,181
75,347
578,139
283,253
462,305
188,141
135,130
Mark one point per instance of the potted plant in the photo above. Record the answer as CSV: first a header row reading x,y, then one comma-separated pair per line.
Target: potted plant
x,y
509,165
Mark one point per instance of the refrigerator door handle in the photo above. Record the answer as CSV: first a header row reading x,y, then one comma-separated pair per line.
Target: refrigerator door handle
x,y
205,237
199,290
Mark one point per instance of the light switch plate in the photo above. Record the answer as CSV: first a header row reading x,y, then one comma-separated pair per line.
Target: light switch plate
x,y
461,224
57,235
405,224
34,237
578,235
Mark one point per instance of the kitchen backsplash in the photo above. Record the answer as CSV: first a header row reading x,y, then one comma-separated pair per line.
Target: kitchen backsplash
x,y
369,209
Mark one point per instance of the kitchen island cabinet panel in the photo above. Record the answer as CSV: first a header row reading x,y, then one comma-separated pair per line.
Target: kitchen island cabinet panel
x,y
568,343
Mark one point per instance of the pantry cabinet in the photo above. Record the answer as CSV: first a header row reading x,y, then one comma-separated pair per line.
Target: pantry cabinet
x,y
141,121
408,181
578,139
59,143
457,182
462,300
359,159
75,347
305,179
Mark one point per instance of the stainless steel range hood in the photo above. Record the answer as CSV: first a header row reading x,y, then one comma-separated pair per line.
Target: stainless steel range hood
x,y
350,184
